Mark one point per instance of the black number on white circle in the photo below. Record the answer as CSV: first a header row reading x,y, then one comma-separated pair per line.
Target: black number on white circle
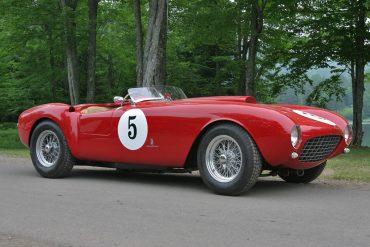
x,y
132,133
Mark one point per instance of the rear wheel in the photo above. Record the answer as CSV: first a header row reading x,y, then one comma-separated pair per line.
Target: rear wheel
x,y
301,176
228,159
49,151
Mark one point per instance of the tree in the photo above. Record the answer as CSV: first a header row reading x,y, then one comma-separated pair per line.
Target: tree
x,y
202,48
331,34
91,50
154,70
115,49
139,43
31,65
212,46
69,9
357,69
256,25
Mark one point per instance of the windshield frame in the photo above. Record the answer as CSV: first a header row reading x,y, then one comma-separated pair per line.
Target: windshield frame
x,y
140,94
132,91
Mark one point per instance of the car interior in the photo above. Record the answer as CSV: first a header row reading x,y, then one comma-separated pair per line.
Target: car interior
x,y
95,109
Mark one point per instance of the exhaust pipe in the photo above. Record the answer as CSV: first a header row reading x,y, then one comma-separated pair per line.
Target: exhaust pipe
x,y
300,173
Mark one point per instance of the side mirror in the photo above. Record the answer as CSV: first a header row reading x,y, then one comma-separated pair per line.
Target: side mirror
x,y
118,100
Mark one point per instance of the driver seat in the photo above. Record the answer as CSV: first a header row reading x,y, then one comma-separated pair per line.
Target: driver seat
x,y
95,109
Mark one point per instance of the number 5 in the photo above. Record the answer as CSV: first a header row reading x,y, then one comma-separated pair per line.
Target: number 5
x,y
132,134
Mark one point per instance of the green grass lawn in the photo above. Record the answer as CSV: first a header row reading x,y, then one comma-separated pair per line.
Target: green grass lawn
x,y
354,166
9,137
21,153
9,141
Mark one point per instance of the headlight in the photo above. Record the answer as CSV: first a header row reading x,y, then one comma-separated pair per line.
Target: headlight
x,y
348,134
295,136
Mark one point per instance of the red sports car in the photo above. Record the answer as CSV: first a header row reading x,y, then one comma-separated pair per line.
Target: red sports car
x,y
229,139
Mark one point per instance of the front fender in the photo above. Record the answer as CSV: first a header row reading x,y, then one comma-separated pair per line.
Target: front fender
x,y
269,129
340,121
61,114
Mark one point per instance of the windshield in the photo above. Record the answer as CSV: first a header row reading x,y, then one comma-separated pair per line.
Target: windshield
x,y
156,93
171,92
144,93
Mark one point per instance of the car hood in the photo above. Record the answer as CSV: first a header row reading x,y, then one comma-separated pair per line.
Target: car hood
x,y
299,114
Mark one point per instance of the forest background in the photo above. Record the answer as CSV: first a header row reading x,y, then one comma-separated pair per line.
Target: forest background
x,y
80,51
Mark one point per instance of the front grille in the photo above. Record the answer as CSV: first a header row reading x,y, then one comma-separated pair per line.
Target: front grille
x,y
319,148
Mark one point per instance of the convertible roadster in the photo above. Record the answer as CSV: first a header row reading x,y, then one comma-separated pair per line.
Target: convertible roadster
x,y
229,139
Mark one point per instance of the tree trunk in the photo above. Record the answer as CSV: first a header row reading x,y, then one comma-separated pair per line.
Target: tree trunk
x,y
62,61
69,7
256,25
250,72
53,79
242,75
154,70
91,51
241,46
359,74
110,73
139,43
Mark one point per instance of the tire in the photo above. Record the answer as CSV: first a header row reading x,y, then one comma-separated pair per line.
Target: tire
x,y
231,170
291,175
50,153
122,171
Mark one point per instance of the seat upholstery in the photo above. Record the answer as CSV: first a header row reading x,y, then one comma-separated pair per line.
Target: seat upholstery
x,y
95,109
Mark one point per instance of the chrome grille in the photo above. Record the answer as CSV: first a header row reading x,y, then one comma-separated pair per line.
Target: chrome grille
x,y
319,148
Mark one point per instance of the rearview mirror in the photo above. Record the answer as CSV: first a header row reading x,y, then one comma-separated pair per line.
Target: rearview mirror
x,y
118,100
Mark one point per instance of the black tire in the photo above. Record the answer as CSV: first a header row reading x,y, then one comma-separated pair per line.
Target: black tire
x,y
291,175
64,161
122,171
250,165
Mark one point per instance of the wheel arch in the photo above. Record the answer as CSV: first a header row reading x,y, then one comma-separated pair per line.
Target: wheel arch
x,y
36,123
191,160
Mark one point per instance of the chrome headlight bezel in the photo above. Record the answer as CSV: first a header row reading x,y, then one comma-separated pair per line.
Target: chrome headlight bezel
x,y
347,134
296,136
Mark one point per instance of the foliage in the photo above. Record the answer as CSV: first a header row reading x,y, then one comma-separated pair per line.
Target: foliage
x,y
31,35
204,50
346,112
9,139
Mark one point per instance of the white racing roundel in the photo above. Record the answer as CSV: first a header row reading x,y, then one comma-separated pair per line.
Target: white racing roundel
x,y
133,129
314,117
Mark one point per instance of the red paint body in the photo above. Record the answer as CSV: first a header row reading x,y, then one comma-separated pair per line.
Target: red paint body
x,y
174,126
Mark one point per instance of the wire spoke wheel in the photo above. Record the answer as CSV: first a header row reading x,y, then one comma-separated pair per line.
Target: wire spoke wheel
x,y
228,160
50,153
224,158
47,148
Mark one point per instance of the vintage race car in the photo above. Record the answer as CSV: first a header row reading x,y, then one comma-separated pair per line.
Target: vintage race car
x,y
229,139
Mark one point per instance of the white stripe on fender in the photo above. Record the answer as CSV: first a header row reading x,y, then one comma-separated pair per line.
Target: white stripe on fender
x,y
314,117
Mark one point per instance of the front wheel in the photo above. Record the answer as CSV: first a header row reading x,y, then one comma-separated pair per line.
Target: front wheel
x,y
303,176
228,159
49,151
